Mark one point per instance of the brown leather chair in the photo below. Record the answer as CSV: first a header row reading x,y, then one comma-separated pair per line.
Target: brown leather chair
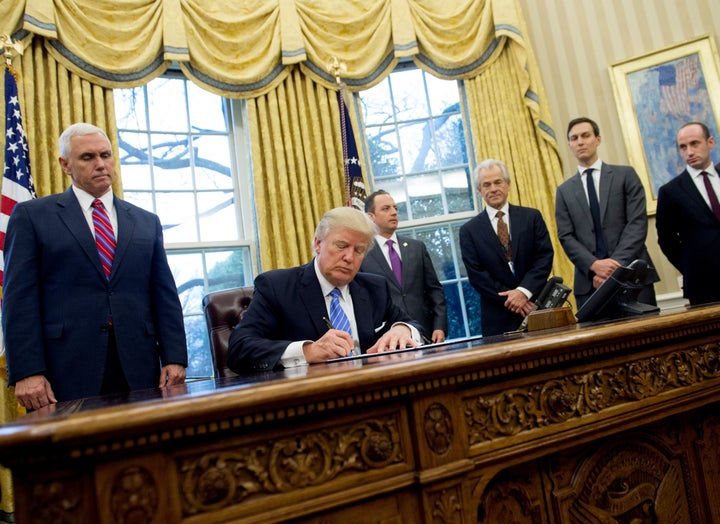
x,y
223,311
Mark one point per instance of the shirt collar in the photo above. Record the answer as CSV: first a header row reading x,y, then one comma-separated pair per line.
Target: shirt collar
x,y
694,173
86,199
491,211
381,240
326,286
597,165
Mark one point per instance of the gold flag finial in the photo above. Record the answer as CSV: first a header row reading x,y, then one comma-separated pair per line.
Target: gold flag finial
x,y
336,67
9,46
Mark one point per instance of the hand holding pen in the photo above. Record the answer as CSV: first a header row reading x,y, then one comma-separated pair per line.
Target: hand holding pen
x,y
333,344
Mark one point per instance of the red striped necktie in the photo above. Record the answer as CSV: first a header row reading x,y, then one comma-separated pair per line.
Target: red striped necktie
x,y
104,236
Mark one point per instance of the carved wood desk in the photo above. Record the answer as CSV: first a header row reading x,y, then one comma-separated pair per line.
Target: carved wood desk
x,y
609,422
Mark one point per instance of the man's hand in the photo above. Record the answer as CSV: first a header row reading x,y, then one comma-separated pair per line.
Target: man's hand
x,y
438,336
171,375
398,337
517,302
604,267
333,344
597,281
34,392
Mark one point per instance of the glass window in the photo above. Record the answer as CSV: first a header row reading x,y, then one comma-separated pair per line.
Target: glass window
x,y
179,147
418,152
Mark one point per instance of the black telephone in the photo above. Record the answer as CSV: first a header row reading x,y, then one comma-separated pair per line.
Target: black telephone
x,y
553,295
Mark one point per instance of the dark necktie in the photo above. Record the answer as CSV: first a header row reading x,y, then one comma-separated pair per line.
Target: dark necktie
x,y
395,261
338,318
104,236
504,235
714,204
601,250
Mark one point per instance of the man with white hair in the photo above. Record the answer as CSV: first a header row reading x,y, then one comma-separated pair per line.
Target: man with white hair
x,y
324,309
90,306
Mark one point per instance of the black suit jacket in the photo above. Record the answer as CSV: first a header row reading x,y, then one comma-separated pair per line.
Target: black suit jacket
x,y
689,235
57,301
421,294
624,219
488,270
288,305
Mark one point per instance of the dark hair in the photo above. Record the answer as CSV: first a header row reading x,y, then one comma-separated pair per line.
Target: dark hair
x,y
370,200
581,120
705,129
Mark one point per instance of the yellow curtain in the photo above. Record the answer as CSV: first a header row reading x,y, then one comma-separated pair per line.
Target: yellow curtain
x,y
297,166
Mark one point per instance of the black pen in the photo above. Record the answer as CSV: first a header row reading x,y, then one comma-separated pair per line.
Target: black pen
x,y
328,323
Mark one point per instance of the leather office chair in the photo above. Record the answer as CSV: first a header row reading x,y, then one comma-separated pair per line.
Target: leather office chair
x,y
223,311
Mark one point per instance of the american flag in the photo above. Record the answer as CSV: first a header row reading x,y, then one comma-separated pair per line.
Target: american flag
x,y
17,183
354,183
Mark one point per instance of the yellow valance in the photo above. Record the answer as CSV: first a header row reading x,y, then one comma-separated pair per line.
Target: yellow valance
x,y
244,49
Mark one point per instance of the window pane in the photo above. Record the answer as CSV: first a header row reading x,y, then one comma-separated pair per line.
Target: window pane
x,y
207,110
130,108
416,144
171,162
384,152
218,219
212,162
178,216
408,93
134,160
167,105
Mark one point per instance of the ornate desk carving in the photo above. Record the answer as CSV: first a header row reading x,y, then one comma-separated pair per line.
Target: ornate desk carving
x,y
610,422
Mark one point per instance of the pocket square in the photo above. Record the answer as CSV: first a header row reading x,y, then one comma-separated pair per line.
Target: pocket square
x,y
380,327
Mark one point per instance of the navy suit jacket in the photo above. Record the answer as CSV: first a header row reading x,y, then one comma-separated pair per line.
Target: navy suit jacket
x,y
421,294
288,305
623,214
488,270
57,301
689,235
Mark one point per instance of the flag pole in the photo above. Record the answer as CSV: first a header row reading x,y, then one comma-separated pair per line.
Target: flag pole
x,y
354,183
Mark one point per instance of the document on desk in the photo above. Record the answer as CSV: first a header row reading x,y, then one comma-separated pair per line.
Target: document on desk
x,y
448,345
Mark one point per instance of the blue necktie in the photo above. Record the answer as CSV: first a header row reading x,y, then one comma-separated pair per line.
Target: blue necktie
x,y
601,250
395,262
338,318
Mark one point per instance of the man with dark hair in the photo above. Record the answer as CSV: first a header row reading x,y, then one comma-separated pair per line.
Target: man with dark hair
x,y
506,250
405,263
601,215
322,310
688,216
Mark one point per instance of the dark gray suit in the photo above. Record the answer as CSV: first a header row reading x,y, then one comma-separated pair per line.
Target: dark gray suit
x,y
421,294
689,235
624,219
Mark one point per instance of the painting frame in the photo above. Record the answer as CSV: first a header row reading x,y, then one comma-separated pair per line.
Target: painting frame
x,y
685,78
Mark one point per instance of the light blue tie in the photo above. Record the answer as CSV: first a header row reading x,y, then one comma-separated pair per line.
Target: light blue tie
x,y
338,318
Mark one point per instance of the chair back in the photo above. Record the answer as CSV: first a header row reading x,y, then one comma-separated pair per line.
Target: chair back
x,y
223,311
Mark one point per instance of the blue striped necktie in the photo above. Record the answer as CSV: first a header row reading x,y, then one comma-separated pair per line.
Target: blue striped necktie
x,y
338,318
104,236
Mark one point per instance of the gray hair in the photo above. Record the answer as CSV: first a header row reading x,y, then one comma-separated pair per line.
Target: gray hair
x,y
490,162
78,129
346,217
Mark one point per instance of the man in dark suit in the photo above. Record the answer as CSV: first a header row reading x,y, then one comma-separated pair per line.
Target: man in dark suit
x,y
324,309
622,216
506,250
419,291
688,216
72,330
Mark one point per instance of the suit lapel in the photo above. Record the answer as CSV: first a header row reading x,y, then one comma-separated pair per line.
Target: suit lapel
x,y
378,258
578,193
491,238
126,229
695,199
312,298
607,179
72,216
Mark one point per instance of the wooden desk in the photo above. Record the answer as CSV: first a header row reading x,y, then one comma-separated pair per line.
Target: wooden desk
x,y
597,423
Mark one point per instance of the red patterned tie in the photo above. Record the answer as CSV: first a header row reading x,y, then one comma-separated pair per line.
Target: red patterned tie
x,y
104,236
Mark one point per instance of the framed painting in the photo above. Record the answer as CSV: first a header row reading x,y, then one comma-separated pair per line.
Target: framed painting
x,y
658,92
